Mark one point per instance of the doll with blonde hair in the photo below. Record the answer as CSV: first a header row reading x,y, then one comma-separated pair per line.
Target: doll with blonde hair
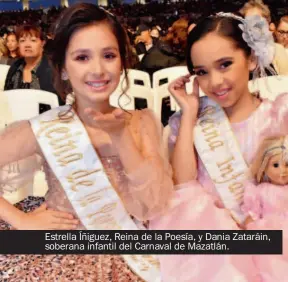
x,y
266,201
270,171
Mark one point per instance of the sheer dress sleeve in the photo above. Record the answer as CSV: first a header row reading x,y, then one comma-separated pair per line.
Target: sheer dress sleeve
x,y
18,159
148,188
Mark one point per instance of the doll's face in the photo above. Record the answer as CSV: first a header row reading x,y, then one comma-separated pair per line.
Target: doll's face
x,y
277,170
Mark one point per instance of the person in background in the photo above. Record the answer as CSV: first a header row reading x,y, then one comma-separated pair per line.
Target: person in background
x,y
3,33
281,32
158,54
177,38
32,71
3,52
12,45
257,7
143,35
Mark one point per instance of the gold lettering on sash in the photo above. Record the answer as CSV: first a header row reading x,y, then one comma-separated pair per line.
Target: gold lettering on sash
x,y
208,110
233,177
209,129
225,162
152,260
212,135
105,220
134,258
69,159
49,123
81,173
92,197
226,167
57,130
88,201
236,186
237,189
215,144
108,208
82,183
207,123
69,146
144,267
54,142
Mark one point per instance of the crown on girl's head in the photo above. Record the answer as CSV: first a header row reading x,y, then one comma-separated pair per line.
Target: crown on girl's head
x,y
256,33
230,15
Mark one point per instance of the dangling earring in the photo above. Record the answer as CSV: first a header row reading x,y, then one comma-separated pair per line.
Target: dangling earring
x,y
70,99
64,76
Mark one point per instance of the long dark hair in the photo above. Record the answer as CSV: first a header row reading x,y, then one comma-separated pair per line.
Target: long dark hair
x,y
224,26
72,19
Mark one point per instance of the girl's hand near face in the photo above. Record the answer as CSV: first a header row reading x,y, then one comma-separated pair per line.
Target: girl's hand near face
x,y
189,103
113,123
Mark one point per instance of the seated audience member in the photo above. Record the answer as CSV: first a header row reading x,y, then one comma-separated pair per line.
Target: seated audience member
x,y
3,52
158,55
177,39
3,33
12,45
281,32
257,7
32,71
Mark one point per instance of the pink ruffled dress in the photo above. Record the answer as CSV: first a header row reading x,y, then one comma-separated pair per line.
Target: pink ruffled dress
x,y
193,206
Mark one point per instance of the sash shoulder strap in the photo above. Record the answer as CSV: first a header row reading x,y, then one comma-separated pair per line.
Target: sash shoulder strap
x,y
220,153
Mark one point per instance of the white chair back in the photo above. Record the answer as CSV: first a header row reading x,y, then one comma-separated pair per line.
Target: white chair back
x,y
24,103
136,77
127,101
270,87
3,73
168,75
160,93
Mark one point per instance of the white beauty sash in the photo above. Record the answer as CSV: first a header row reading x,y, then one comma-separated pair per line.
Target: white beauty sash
x,y
220,153
71,156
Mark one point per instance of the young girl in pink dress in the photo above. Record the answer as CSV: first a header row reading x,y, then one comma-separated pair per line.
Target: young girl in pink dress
x,y
230,121
114,158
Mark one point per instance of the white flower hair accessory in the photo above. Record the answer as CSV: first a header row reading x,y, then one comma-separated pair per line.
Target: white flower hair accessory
x,y
257,35
259,38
